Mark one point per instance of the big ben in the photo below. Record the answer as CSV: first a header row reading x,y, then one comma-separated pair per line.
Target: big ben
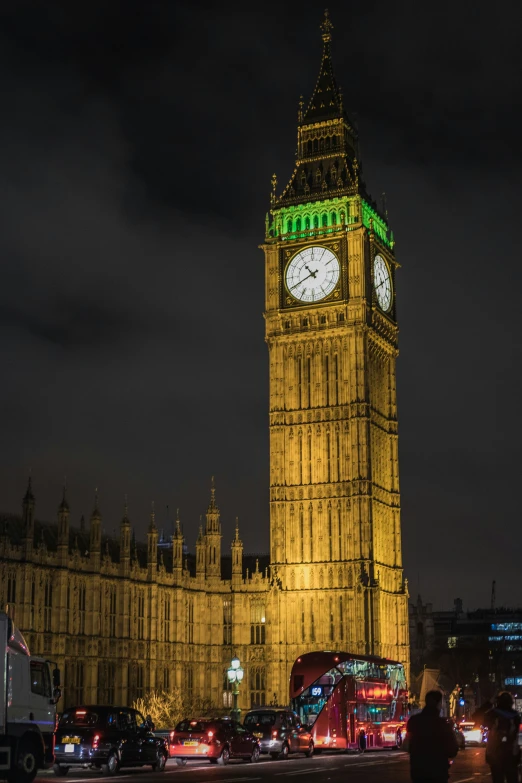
x,y
332,335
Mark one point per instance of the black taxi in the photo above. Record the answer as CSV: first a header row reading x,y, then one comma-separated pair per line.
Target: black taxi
x,y
106,738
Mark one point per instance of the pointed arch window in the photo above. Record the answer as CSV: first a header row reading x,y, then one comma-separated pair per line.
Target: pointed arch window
x,y
316,221
298,224
307,222
324,219
257,622
289,226
334,218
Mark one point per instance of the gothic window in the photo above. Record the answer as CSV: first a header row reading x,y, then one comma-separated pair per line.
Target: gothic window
x,y
190,619
74,677
287,324
305,321
341,317
166,679
316,221
322,319
303,621
330,546
309,147
316,145
332,624
166,619
257,622
309,381
112,612
307,222
190,681
341,217
334,218
32,600
106,682
324,219
298,224
82,593
327,376
140,681
257,686
301,527
327,142
227,692
341,619
48,604
336,373
318,175
11,590
140,611
227,621
312,624
289,226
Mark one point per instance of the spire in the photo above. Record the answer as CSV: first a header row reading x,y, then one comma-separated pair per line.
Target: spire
x,y
64,506
212,505
125,518
237,530
29,491
152,524
177,532
96,511
326,101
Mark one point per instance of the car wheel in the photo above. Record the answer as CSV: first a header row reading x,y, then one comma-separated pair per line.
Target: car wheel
x,y
161,760
181,762
310,751
254,758
60,771
225,757
285,752
112,764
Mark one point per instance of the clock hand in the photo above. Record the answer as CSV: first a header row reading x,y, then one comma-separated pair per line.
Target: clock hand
x,y
300,281
313,274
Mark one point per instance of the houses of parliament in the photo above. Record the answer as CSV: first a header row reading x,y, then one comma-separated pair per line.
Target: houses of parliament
x,y
119,617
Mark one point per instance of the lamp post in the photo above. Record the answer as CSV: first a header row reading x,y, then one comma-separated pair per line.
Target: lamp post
x,y
235,675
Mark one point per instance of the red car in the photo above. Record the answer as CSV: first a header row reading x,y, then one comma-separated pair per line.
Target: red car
x,y
216,739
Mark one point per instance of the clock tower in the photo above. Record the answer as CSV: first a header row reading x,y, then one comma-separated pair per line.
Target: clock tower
x,y
331,330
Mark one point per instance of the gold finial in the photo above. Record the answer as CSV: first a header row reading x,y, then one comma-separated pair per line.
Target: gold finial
x,y
340,98
237,529
274,186
326,27
300,110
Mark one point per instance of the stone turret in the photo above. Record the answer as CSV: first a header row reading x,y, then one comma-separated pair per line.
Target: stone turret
x,y
213,537
177,550
125,542
95,536
63,530
200,552
28,520
237,558
152,545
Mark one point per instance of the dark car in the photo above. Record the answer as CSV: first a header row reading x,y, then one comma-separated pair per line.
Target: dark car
x,y
106,738
279,732
217,740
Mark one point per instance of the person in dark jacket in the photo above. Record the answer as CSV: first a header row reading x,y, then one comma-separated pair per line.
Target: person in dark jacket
x,y
502,750
431,743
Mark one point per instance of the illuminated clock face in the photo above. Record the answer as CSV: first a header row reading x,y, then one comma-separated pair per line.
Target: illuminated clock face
x,y
382,283
312,274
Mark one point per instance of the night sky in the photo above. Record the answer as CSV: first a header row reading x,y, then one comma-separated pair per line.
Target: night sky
x,y
137,144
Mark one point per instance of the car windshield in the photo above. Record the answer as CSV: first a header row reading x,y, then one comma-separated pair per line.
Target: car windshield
x,y
194,725
260,719
80,718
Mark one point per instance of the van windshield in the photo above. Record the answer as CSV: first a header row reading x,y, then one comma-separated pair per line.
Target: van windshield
x,y
260,719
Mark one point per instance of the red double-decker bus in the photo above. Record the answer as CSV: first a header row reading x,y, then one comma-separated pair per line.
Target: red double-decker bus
x,y
350,701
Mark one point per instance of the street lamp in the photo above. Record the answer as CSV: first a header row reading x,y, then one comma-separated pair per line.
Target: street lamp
x,y
235,675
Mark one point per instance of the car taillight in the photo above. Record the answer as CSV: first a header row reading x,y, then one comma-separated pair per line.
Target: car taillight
x,y
274,733
210,734
95,741
171,736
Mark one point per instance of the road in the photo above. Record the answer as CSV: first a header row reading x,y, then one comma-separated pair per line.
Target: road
x,y
376,767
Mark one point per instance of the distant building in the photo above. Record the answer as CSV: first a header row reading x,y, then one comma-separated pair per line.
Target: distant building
x,y
479,649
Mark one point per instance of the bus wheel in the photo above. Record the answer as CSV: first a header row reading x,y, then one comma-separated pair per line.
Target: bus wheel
x,y
310,751
399,740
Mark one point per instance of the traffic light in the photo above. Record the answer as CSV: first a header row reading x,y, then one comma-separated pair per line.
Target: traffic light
x,y
461,697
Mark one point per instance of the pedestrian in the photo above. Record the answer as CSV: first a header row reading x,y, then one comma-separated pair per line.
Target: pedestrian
x,y
502,749
431,742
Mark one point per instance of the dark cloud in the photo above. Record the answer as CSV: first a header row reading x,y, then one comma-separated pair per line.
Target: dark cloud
x,y
136,150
